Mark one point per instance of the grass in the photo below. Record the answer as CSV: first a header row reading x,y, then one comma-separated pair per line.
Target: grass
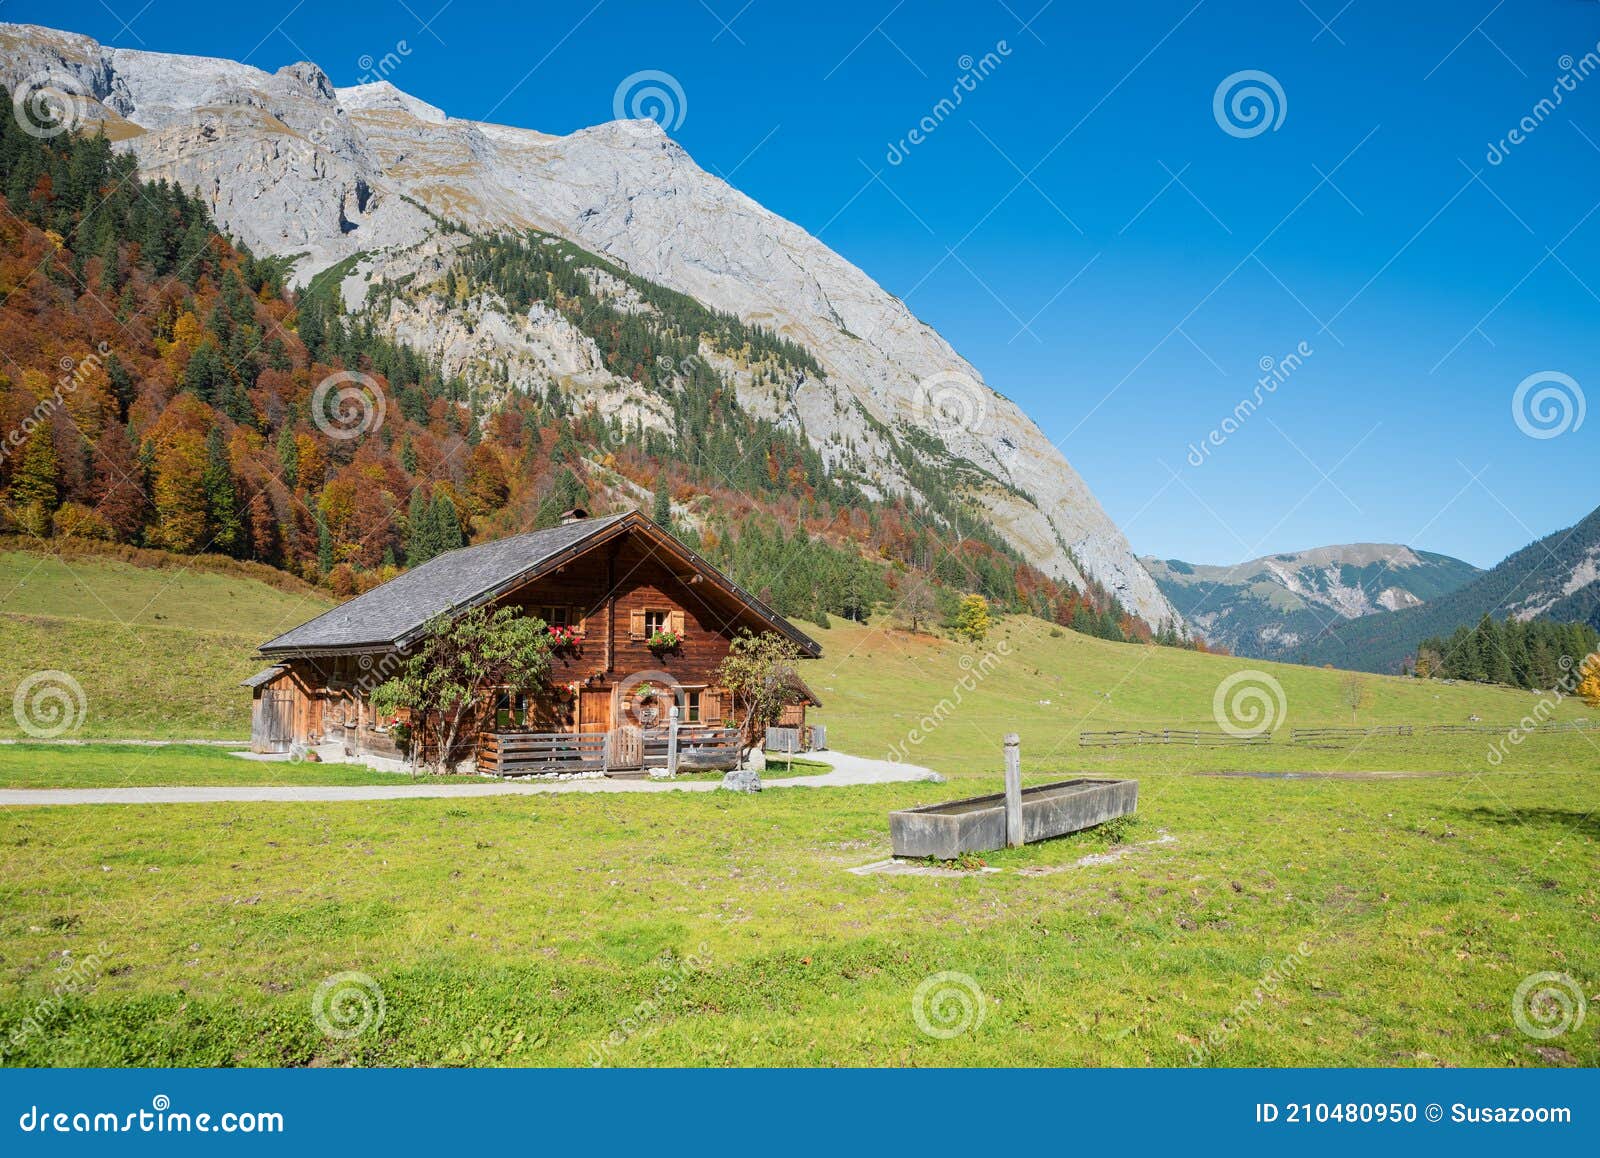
x,y
1254,919
157,652
1398,918
142,766
881,690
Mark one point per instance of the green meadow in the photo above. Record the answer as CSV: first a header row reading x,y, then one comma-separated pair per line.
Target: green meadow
x,y
1360,903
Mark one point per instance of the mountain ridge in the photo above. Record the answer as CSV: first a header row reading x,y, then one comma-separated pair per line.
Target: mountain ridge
x,y
1554,577
296,167
1274,606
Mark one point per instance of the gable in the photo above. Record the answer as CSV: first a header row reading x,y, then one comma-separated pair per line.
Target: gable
x,y
393,614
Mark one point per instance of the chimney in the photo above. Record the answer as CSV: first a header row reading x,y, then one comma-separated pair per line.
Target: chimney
x,y
576,514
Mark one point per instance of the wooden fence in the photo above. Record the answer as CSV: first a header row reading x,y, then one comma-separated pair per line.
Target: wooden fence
x,y
543,753
1327,735
532,753
1170,736
1501,729
698,748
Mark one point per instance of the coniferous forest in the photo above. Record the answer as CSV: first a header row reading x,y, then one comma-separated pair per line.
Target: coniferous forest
x,y
1536,654
160,388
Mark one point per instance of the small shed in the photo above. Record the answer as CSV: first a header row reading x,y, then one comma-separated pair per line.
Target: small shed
x,y
271,710
794,712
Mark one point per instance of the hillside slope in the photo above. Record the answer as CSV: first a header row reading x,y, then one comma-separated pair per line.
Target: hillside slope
x,y
157,652
1552,578
294,167
1274,606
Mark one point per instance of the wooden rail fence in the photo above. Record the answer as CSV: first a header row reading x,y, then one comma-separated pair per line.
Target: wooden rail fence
x,y
1169,736
1134,737
699,748
1501,729
1323,735
531,753
543,753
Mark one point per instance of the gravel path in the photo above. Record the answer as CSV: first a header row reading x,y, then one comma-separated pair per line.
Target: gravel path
x,y
847,770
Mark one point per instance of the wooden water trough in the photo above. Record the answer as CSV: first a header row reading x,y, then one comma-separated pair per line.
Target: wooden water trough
x,y
1011,818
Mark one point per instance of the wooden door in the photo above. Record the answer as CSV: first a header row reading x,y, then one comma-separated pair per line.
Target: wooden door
x,y
594,710
275,722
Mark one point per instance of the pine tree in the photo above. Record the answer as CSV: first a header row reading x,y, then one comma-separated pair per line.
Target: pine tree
x,y
324,547
421,542
225,525
446,524
662,514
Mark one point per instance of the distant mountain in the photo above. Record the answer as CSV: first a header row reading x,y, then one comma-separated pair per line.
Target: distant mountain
x,y
1557,578
1275,606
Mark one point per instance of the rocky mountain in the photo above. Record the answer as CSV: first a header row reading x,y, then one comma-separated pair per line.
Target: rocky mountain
x,y
1276,606
1556,578
385,192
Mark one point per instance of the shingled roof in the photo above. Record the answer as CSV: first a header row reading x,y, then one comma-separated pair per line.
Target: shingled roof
x,y
394,613
384,616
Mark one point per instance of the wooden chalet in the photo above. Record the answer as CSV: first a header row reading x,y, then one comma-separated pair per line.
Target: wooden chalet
x,y
607,587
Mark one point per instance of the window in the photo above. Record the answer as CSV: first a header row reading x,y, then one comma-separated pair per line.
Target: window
x,y
556,616
691,707
510,710
655,621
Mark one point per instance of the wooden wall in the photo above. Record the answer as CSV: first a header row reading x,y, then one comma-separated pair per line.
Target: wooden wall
x,y
606,591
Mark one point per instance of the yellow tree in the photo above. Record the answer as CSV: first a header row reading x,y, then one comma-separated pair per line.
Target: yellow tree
x,y
1589,681
972,618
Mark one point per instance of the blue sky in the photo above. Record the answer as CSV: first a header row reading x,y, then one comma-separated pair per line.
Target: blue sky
x,y
1086,232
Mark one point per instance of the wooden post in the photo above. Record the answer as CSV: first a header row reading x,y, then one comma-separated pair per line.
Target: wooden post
x,y
672,740
1013,790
